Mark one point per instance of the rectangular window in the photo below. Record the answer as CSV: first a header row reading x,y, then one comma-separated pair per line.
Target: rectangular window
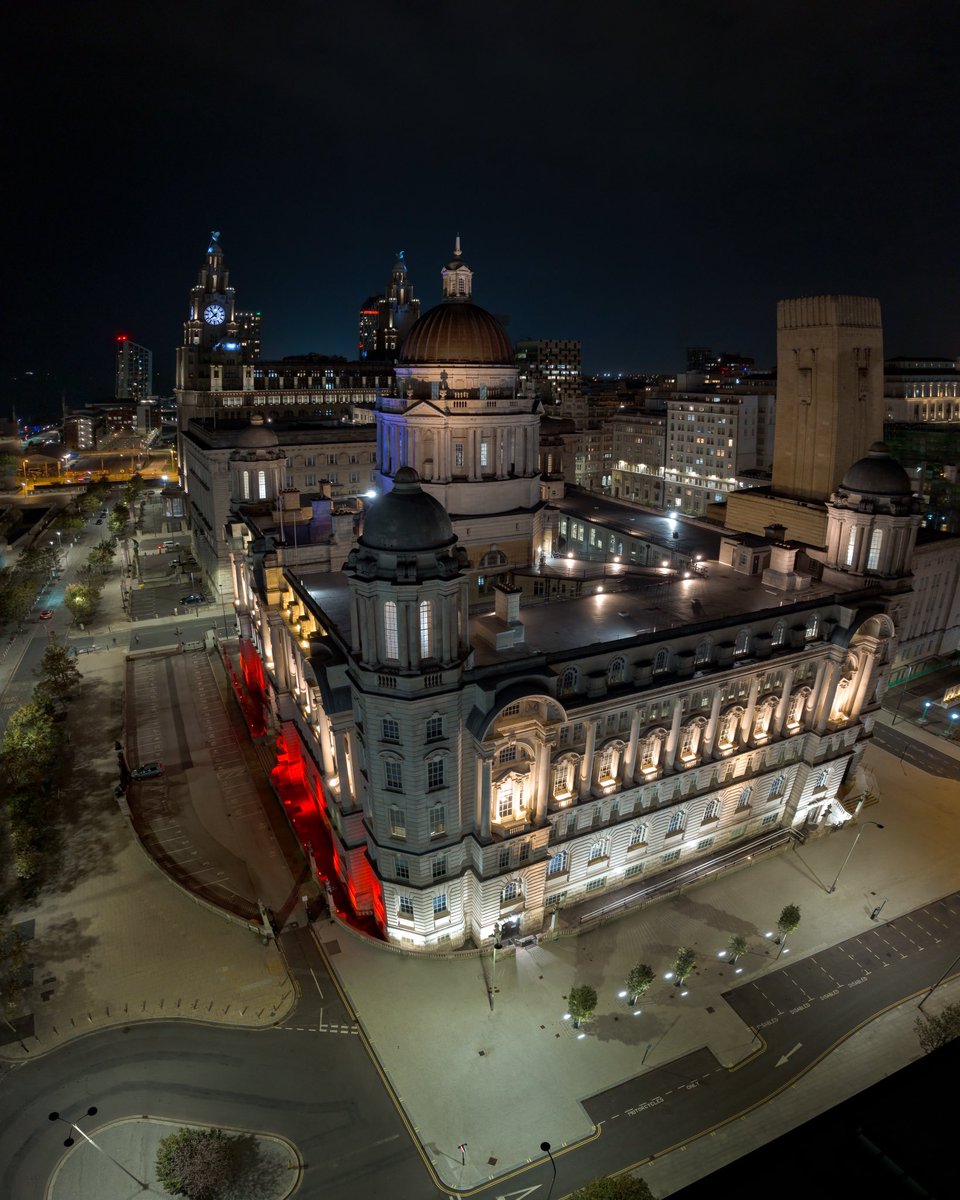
x,y
631,871
670,857
405,907
458,454
484,454
508,754
434,728
438,820
769,820
401,868
426,629
705,843
596,884
393,775
398,822
390,729
503,858
246,485
310,479
390,635
524,851
438,868
440,905
435,773
262,485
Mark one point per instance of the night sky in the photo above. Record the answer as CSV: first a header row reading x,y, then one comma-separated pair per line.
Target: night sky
x,y
641,176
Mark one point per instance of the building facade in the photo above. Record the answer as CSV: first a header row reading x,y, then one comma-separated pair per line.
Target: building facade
x,y
134,370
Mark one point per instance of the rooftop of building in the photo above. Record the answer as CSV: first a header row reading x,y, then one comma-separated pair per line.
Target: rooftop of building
x,y
227,435
694,537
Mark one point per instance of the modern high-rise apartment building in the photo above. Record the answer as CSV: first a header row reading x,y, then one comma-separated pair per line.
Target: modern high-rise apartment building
x,y
134,370
250,335
549,368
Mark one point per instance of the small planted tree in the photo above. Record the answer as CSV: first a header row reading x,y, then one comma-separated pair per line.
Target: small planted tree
x,y
638,980
82,600
738,946
196,1163
788,921
57,674
582,1003
686,961
935,1031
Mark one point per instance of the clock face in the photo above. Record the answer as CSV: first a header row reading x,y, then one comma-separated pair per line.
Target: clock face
x,y
214,314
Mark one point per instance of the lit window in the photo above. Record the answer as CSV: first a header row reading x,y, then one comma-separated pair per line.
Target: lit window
x,y
262,484
440,905
390,629
873,555
638,836
398,822
438,820
426,629
677,821
557,864
510,892
851,546
484,454
598,850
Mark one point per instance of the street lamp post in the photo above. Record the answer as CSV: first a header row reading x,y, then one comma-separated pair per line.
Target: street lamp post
x,y
545,1147
833,886
55,1116
223,606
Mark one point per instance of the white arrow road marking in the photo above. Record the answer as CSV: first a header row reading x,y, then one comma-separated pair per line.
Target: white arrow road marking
x,y
521,1194
786,1057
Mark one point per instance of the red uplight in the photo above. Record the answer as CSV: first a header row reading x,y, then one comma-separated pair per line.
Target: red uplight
x,y
123,337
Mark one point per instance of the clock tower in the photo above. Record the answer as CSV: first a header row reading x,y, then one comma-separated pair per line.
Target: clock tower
x,y
211,344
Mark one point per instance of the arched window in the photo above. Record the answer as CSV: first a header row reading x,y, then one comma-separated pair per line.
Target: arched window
x,y
563,777
812,631
609,763
426,629
702,655
764,717
246,485
598,850
261,485
390,638
494,558
510,893
712,811
652,747
779,634
851,546
742,644
616,672
510,798
558,864
778,787
743,800
690,739
728,729
677,821
873,555
662,661
638,837
568,681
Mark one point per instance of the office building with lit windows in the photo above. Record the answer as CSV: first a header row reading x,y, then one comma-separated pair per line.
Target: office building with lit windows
x,y
134,370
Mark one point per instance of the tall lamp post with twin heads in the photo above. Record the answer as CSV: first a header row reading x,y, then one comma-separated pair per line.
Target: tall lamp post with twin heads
x,y
833,886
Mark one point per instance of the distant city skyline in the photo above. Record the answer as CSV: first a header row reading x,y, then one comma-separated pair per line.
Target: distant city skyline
x,y
637,180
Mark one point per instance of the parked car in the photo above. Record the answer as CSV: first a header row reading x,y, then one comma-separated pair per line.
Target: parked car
x,y
193,598
148,770
46,614
99,520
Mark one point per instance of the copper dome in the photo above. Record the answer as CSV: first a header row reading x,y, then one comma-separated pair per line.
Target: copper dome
x,y
406,518
878,474
457,332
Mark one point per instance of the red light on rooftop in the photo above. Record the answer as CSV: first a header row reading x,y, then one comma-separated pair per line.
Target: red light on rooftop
x,y
123,337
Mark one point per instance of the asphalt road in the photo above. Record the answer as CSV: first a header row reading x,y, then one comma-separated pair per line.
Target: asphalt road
x,y
918,754
310,1080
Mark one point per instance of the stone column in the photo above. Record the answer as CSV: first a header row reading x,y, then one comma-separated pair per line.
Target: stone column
x,y
713,722
784,704
586,763
630,758
670,750
828,689
813,699
543,781
746,725
484,793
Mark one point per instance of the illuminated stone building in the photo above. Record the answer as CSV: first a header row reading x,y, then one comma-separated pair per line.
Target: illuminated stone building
x,y
479,764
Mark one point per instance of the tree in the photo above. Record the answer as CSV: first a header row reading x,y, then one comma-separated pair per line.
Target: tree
x,y
639,979
16,597
614,1187
738,946
788,921
30,745
102,554
57,674
82,600
686,961
12,946
935,1031
582,1001
196,1163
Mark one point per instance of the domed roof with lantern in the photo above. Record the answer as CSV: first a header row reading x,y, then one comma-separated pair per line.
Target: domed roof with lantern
x,y
457,330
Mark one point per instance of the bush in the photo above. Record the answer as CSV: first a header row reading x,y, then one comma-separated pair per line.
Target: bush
x,y
196,1163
